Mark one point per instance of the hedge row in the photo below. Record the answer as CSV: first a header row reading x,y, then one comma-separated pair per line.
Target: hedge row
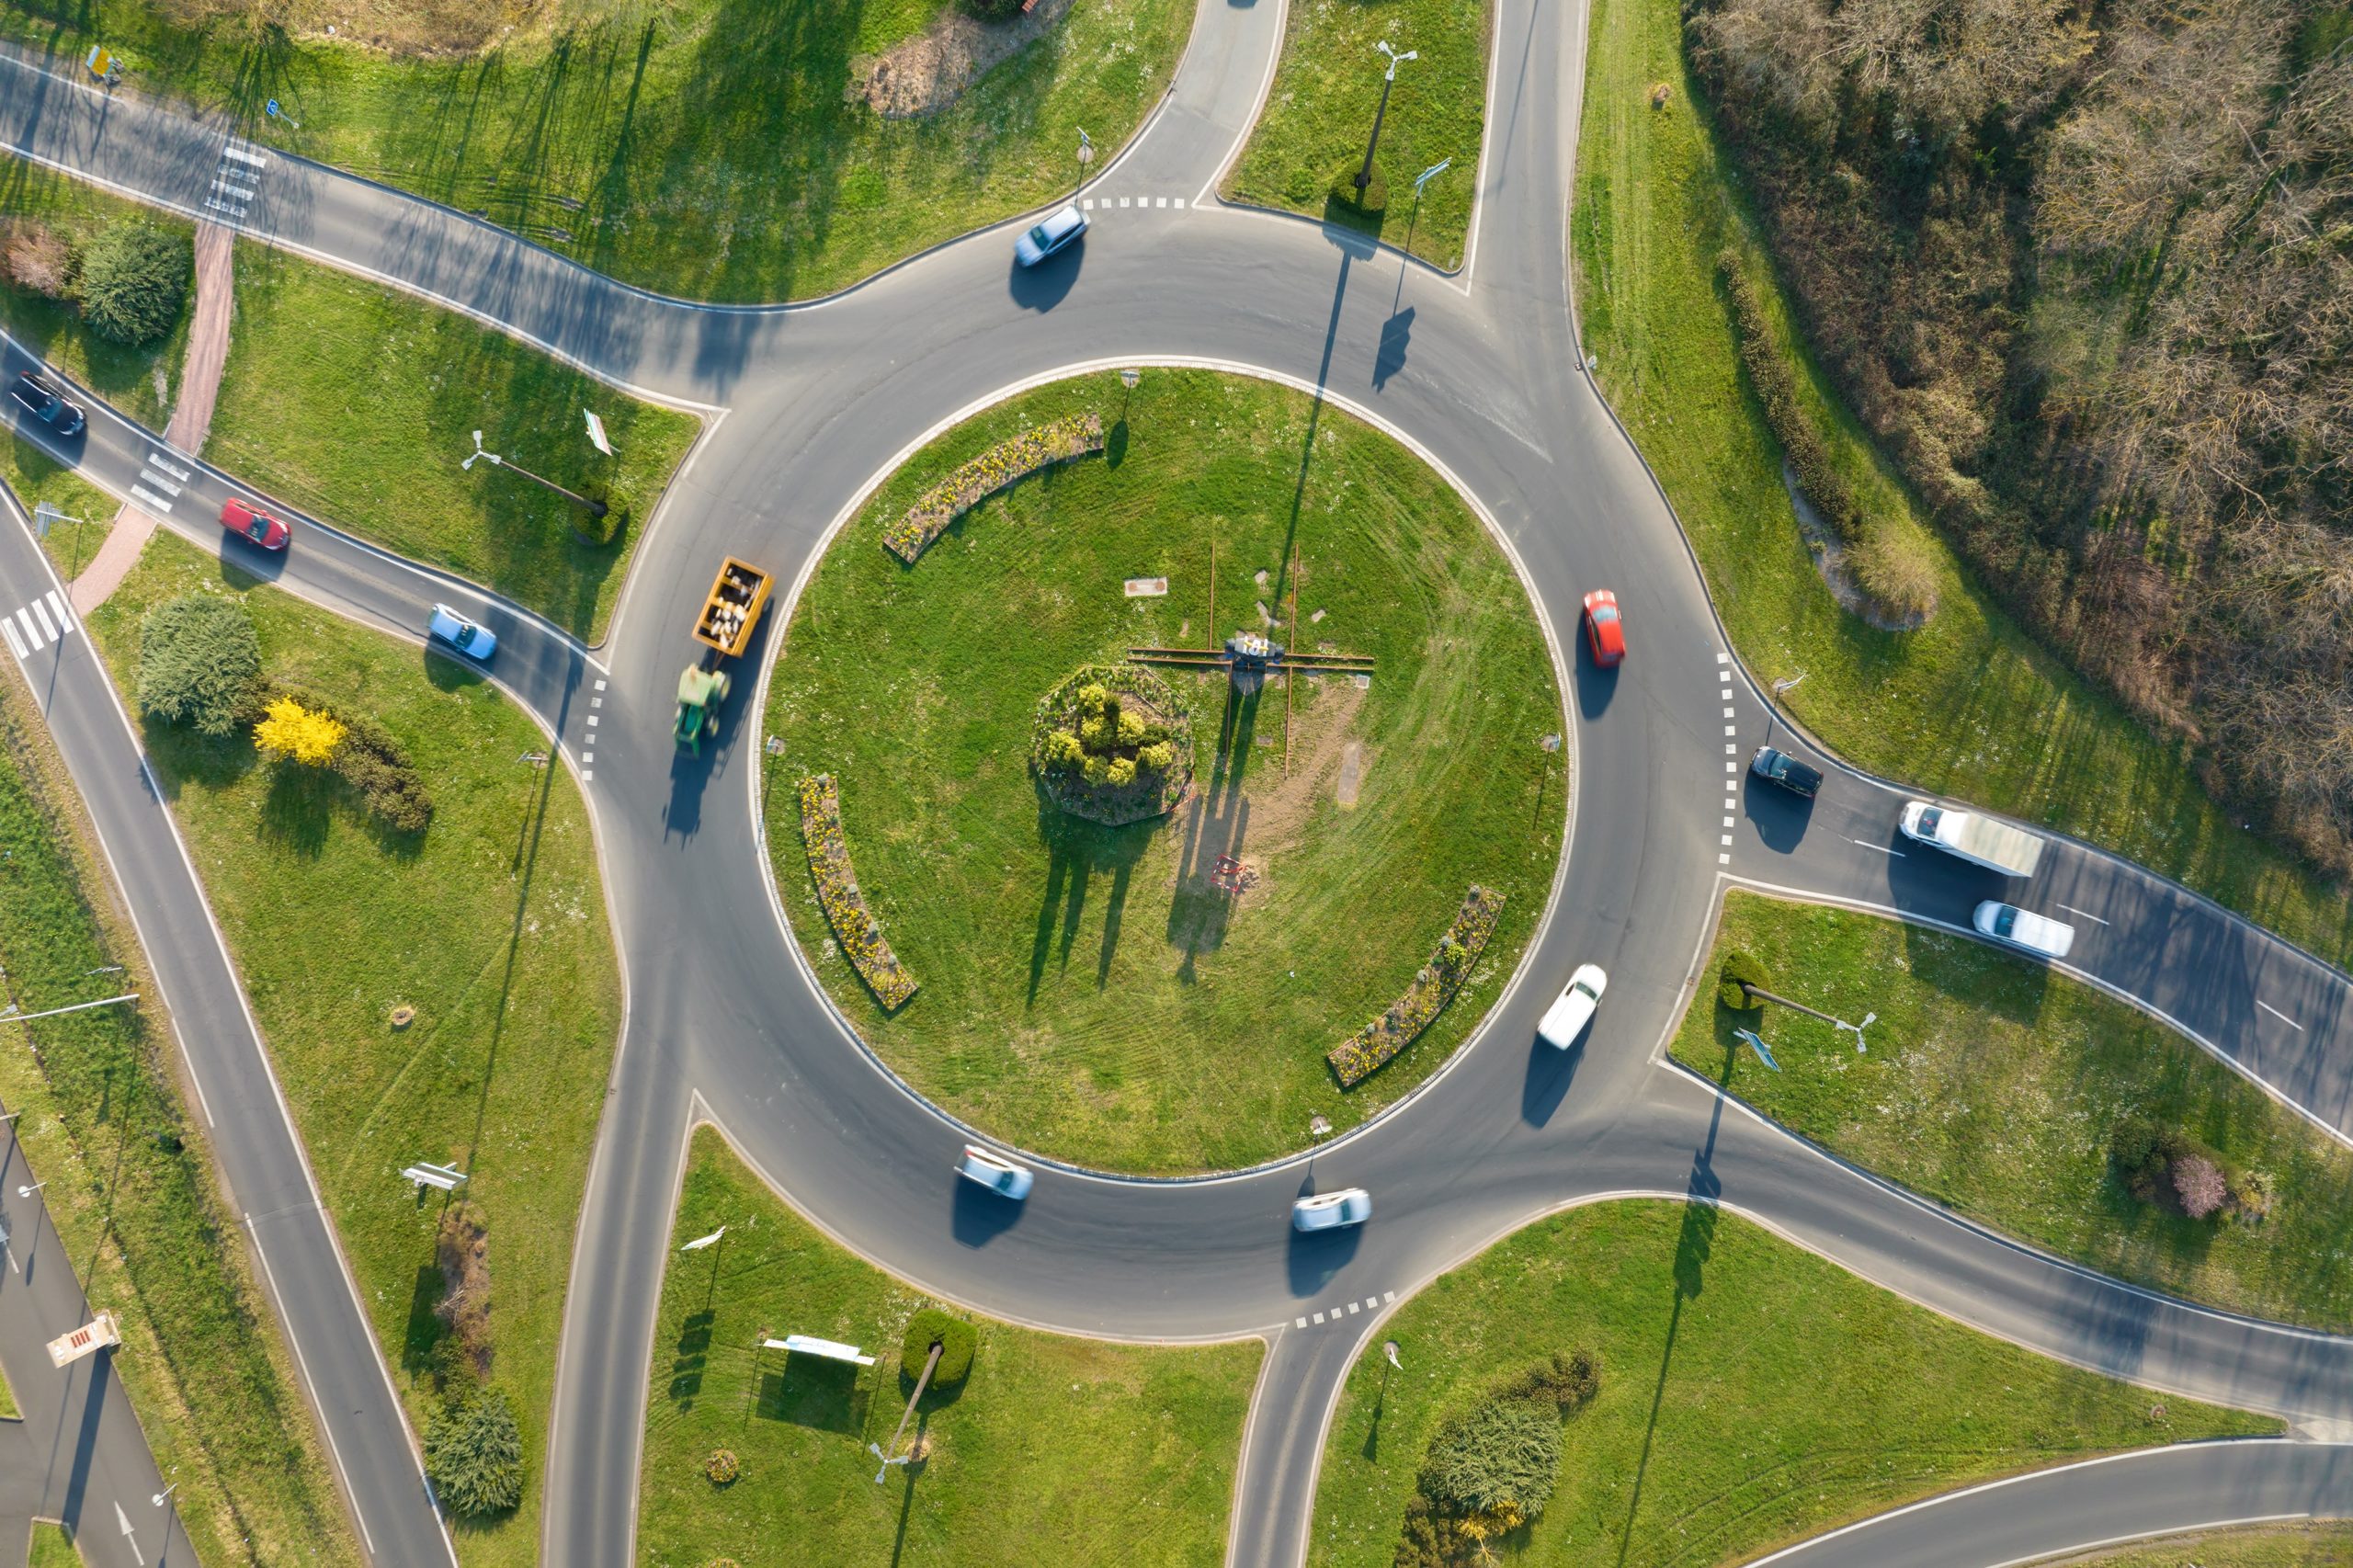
x,y
1001,465
1356,1058
1822,483
861,939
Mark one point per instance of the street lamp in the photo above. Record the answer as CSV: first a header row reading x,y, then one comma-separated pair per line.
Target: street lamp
x,y
29,1191
1389,1348
1085,154
1364,174
595,508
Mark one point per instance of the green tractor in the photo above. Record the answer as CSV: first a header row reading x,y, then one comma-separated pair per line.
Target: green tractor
x,y
701,691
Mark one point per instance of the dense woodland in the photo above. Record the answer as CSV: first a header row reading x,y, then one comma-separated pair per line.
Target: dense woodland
x,y
2087,273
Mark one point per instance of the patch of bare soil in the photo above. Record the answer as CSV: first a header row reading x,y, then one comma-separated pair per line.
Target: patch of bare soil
x,y
426,29
931,70
461,1251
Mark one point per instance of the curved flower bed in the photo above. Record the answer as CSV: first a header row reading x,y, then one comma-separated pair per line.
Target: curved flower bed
x,y
1085,777
984,475
1356,1058
861,939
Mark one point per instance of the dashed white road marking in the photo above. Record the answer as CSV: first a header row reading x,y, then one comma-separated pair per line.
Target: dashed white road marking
x,y
600,686
2084,913
47,627
157,460
1724,860
1389,1295
32,633
1354,1308
1723,658
592,721
1731,729
1302,1322
1319,1317
1882,848
1730,714
2281,1016
258,160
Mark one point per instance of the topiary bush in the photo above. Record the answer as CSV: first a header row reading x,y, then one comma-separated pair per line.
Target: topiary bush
x,y
473,1455
1740,967
721,1467
199,663
134,281
957,1340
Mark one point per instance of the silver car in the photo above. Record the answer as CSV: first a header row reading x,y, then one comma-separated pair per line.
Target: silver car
x,y
1331,1210
475,642
2024,929
1049,234
1573,1009
995,1171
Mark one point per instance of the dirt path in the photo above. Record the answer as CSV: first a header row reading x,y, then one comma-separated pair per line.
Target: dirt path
x,y
207,351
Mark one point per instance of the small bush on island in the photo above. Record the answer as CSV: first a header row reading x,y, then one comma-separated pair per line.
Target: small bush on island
x,y
37,259
1114,745
837,892
1356,1058
2166,1167
473,1455
723,1467
1739,968
199,664
957,1340
133,280
293,732
1493,1470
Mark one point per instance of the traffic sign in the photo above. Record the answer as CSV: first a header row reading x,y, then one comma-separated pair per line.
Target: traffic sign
x,y
597,433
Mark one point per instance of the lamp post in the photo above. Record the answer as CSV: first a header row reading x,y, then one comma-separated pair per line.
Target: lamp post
x,y
1364,174
594,508
29,1191
1086,155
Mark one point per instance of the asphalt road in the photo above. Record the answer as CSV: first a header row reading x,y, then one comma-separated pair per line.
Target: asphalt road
x,y
1480,373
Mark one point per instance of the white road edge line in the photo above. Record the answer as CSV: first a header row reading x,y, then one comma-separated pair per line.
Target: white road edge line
x,y
2084,913
2281,1016
1884,849
351,1496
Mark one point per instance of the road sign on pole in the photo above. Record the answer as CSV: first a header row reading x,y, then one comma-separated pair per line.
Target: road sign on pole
x,y
1430,174
597,433
1758,1044
443,1177
99,1332
702,1242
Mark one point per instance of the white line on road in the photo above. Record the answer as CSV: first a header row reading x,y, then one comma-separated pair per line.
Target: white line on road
x,y
1882,848
256,159
32,633
49,627
150,500
233,209
241,192
160,483
157,460
2084,913
16,643
2281,1016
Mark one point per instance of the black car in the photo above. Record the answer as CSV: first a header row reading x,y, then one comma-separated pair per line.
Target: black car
x,y
46,403
1780,767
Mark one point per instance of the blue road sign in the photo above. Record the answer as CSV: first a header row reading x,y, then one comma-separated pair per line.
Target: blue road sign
x,y
1762,1054
272,108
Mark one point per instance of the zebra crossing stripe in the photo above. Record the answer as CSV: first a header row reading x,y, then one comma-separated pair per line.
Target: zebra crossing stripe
x,y
47,627
16,643
31,635
64,619
156,459
153,503
160,483
255,159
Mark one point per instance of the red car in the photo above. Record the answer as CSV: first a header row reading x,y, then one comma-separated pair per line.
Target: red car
x,y
239,518
1604,632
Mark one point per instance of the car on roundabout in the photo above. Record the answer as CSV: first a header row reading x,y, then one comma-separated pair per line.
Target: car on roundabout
x,y
1604,628
996,1172
2024,929
1776,766
39,397
1331,1210
1049,234
475,641
1574,1008
248,522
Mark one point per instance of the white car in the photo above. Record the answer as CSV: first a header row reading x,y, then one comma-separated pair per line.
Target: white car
x,y
1331,1210
475,642
2024,929
1566,1018
995,1171
1049,234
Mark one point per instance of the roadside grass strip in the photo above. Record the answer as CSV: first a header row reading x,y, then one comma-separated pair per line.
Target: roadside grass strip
x,y
1995,1087
1356,1058
490,925
860,939
1968,705
1054,1452
52,1547
2299,1545
132,1191
984,475
1751,1394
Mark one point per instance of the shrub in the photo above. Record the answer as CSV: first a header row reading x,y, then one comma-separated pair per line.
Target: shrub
x,y
473,1455
373,762
1892,567
134,279
2165,1165
1096,733
721,1467
1130,730
1157,757
956,1338
1740,967
2200,1183
1566,1381
1092,698
1504,1455
199,664
37,259
1062,750
1095,770
1375,200
1119,771
2251,1198
296,734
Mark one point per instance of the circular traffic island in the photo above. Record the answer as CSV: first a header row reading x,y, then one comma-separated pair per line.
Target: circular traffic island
x,y
1182,762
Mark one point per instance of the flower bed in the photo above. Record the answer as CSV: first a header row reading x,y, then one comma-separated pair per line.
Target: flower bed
x,y
1358,1056
984,475
1090,769
861,939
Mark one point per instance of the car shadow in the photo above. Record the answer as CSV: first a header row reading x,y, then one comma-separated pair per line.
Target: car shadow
x,y
1317,1256
1594,684
1780,816
1042,287
978,1218
1550,1072
264,565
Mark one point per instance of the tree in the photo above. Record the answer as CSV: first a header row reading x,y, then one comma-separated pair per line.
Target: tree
x,y
134,279
36,258
1504,1455
2200,1184
297,734
956,1338
198,661
473,1455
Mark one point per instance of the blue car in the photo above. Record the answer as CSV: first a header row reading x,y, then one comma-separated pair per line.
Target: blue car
x,y
1049,234
475,642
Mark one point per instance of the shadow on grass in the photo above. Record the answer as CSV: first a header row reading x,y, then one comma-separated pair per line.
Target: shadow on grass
x,y
1077,853
824,1396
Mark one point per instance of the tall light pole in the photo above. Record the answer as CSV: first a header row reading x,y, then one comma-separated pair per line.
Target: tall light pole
x,y
595,508
1364,174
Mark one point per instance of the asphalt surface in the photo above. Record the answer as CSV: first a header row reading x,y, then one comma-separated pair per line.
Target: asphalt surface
x,y
1481,374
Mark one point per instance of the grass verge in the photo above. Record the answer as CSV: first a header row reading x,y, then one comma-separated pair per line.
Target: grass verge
x,y
491,924
1751,1394
1054,1450
1968,705
709,148
1992,1086
357,404
52,1547
2279,1546
1086,990
132,1191
1319,113
8,1411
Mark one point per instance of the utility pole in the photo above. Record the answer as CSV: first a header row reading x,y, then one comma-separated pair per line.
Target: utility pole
x,y
1364,174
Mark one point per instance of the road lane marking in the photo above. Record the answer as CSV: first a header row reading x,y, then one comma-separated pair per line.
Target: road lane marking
x,y
49,627
16,643
148,499
1729,731
157,460
2084,913
1723,658
160,483
1354,1309
1301,1323
2281,1016
257,160
32,633
1882,848
58,605
592,721
1723,860
1727,821
1730,714
1389,1295
600,686
1319,1317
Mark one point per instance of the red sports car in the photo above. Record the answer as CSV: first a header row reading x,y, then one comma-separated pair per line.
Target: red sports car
x,y
240,518
1604,632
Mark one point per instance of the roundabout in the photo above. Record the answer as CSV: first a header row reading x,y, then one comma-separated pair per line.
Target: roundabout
x,y
1148,884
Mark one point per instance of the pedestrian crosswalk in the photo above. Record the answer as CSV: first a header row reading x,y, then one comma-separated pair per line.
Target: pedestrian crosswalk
x,y
1113,203
160,479
237,180
34,626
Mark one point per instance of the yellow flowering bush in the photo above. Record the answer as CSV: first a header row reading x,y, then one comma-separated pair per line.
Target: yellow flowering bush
x,y
291,732
1001,465
860,939
1356,1058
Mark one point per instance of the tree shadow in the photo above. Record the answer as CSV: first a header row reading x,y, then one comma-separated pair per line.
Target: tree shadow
x,y
690,1356
298,810
1078,852
422,1339
1216,824
824,1396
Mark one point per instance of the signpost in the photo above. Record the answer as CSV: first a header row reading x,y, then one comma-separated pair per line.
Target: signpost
x,y
274,112
92,1336
810,1344
702,1242
443,1179
597,433
1757,1045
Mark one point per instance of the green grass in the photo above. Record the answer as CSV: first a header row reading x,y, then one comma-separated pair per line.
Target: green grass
x,y
2279,1546
358,403
703,148
1968,706
492,926
8,1411
1319,114
1053,1452
1752,1395
1992,1086
131,1192
52,1547
1078,995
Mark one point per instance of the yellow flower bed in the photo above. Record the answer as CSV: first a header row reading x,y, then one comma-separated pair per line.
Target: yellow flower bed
x,y
984,475
1356,1058
860,938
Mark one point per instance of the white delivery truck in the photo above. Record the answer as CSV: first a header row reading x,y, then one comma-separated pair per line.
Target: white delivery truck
x,y
1997,845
